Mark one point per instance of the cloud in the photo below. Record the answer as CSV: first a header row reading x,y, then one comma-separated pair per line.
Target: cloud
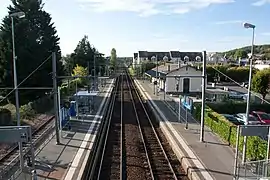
x,y
260,2
149,7
266,34
229,22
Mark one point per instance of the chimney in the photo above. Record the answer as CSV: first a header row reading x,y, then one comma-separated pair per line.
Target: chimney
x,y
169,68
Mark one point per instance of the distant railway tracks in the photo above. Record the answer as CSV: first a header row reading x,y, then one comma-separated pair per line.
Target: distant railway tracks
x,y
131,145
9,162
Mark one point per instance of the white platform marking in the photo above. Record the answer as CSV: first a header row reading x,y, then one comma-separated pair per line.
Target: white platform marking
x,y
183,143
82,148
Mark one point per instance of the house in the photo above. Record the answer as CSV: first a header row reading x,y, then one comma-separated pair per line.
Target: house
x,y
186,85
173,56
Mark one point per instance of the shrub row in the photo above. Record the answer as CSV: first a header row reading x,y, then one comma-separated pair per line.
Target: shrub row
x,y
256,147
42,105
237,107
239,74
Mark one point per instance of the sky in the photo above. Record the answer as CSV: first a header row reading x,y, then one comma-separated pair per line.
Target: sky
x,y
157,25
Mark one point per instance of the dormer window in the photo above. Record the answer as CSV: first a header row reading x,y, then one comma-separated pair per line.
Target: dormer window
x,y
186,58
198,58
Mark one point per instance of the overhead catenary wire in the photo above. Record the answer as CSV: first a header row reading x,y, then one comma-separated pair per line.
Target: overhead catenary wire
x,y
26,78
240,85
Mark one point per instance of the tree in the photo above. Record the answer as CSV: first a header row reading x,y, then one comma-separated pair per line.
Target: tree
x,y
84,55
113,58
261,82
35,39
240,54
80,71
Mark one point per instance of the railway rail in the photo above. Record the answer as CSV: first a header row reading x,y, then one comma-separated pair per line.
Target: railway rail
x,y
9,162
133,146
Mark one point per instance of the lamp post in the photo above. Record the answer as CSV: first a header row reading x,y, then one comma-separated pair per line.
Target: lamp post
x,y
248,26
18,15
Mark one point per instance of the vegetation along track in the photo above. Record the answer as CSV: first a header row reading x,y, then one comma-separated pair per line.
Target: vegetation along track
x,y
135,147
11,159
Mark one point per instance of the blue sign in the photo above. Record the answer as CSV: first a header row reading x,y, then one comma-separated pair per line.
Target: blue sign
x,y
187,102
64,116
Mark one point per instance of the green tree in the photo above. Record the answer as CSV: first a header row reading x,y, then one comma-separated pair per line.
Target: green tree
x,y
240,54
113,58
261,82
80,71
35,39
84,55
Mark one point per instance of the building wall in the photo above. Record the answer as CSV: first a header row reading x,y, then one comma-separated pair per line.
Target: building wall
x,y
195,83
261,66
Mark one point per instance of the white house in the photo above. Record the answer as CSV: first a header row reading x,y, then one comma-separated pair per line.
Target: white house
x,y
187,85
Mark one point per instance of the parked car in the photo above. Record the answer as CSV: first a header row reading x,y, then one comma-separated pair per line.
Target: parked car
x,y
232,119
251,120
244,84
262,116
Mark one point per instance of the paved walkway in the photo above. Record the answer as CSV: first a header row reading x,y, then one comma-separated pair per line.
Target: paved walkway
x,y
214,158
67,160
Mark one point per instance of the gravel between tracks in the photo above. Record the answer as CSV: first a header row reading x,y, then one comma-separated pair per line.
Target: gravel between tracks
x,y
136,164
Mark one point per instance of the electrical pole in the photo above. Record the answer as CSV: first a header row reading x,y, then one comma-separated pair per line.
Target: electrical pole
x,y
203,97
16,91
55,92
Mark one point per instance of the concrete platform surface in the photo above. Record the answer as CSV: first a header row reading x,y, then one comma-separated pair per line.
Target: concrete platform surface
x,y
67,160
212,159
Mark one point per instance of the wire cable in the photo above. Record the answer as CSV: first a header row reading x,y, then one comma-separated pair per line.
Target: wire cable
x,y
240,85
26,78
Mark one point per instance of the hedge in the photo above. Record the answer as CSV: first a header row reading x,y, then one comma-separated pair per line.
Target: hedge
x,y
256,147
42,105
239,74
237,107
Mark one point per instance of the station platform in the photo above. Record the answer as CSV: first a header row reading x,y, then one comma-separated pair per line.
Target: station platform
x,y
212,159
67,160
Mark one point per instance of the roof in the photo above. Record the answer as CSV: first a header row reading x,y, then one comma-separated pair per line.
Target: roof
x,y
192,55
159,55
143,54
175,54
152,73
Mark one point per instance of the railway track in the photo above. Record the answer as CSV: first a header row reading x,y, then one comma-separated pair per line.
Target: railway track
x,y
134,147
9,162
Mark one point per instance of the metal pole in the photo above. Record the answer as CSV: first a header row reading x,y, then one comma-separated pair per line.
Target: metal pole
x,y
95,72
267,153
16,91
55,98
32,149
156,74
186,127
164,81
248,97
179,110
203,97
60,111
236,154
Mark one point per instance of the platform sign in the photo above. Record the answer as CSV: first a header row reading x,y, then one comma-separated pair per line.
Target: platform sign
x,y
254,130
187,102
13,134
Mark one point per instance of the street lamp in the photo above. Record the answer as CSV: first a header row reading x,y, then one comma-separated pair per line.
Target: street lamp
x,y
248,26
16,15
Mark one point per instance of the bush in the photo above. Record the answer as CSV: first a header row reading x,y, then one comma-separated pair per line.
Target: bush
x,y
42,105
234,108
256,147
7,114
239,74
